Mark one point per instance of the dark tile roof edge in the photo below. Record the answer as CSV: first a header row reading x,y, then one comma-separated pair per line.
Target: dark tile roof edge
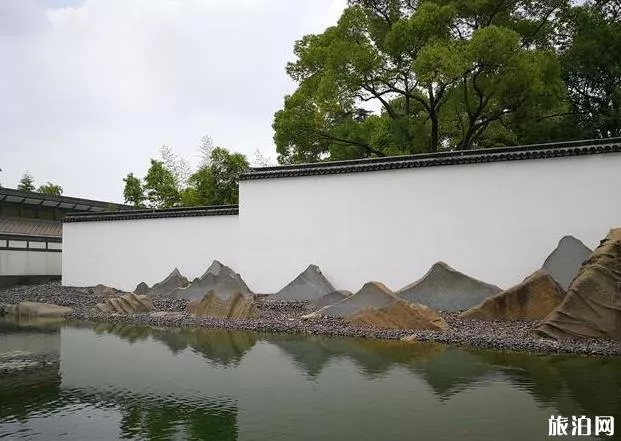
x,y
219,210
535,151
60,199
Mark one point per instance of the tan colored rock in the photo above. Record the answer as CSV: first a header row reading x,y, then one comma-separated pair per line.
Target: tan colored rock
x,y
236,307
36,309
126,304
592,306
399,315
533,299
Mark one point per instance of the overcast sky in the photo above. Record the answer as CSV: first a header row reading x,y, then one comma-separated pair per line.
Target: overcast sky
x,y
91,89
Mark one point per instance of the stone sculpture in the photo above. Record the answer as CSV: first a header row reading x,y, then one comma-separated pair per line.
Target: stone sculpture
x,y
445,289
533,299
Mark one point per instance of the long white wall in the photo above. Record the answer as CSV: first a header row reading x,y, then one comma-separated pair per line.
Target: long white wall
x,y
124,253
30,263
496,221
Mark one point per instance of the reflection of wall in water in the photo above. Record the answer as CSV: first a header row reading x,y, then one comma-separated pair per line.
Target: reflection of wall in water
x,y
42,381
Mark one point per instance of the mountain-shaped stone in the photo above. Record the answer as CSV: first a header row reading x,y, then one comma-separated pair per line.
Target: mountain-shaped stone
x,y
310,285
172,282
141,288
592,306
444,288
372,294
399,315
533,299
130,303
564,263
331,298
236,307
219,278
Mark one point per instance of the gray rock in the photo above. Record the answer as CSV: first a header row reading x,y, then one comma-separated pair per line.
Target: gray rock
x,y
219,278
311,285
445,289
141,288
372,294
566,260
165,288
331,298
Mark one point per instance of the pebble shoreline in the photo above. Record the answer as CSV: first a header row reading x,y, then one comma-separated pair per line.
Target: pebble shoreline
x,y
285,317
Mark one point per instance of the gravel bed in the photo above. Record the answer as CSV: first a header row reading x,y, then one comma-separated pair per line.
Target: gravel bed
x,y
285,317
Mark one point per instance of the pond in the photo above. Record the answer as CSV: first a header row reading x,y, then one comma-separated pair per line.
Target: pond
x,y
105,382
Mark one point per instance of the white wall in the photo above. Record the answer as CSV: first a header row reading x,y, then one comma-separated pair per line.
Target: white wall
x,y
495,221
124,253
29,263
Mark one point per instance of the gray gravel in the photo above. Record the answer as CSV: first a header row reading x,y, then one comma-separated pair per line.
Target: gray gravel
x,y
285,317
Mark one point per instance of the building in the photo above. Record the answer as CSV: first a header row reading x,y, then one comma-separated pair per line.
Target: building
x,y
31,233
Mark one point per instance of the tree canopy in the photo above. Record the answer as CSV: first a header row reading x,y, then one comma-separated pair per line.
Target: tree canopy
x,y
398,77
26,183
170,183
51,189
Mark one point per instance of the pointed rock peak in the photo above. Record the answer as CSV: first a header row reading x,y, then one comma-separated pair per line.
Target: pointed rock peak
x,y
310,284
141,288
565,261
375,286
444,288
215,268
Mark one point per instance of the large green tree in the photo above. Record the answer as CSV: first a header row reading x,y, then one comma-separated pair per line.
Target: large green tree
x,y
592,67
396,77
133,192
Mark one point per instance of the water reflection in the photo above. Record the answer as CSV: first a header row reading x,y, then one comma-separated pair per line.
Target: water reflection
x,y
199,383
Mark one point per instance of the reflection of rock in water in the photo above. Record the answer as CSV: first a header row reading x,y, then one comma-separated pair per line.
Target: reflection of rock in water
x,y
22,342
125,332
221,347
373,357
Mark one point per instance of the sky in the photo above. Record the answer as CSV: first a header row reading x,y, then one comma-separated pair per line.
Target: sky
x,y
91,89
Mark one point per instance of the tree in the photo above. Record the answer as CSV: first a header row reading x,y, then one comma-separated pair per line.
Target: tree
x,y
205,150
161,186
179,167
26,183
398,77
217,182
260,160
133,193
592,68
51,189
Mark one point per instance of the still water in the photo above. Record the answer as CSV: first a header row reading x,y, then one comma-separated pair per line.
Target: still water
x,y
107,382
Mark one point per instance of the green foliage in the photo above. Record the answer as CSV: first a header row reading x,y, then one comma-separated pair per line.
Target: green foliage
x,y
215,182
51,189
161,186
398,77
133,193
592,68
26,183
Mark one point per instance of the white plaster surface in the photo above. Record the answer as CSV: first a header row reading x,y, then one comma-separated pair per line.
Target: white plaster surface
x,y
124,253
30,263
